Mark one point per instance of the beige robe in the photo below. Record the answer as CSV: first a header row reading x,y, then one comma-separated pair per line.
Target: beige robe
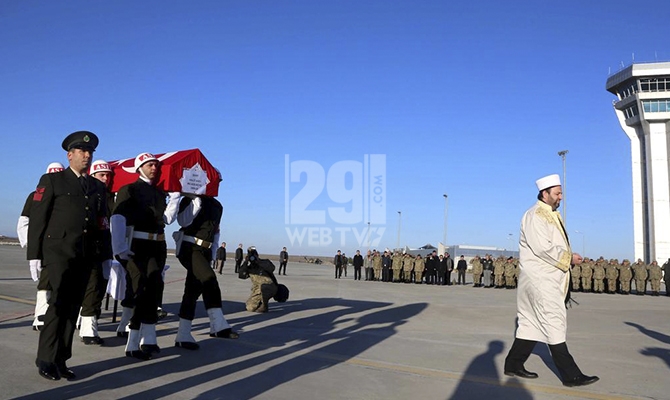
x,y
544,263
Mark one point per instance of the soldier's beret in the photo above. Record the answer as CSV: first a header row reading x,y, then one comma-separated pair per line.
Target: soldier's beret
x,y
83,140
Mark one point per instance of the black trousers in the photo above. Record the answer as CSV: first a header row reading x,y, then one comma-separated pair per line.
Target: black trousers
x,y
338,271
357,273
68,283
461,276
145,269
282,265
522,348
43,282
237,265
200,280
448,277
95,293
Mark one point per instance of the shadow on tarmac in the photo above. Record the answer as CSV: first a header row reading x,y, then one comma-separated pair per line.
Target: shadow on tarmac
x,y
306,345
663,354
661,337
482,381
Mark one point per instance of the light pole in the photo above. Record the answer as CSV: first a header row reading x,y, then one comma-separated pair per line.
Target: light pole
x,y
366,254
444,237
563,153
583,243
511,243
399,221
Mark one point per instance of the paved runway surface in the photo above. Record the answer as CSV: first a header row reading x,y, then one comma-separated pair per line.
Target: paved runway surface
x,y
346,339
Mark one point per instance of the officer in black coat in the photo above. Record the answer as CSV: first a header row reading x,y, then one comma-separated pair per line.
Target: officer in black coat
x,y
66,221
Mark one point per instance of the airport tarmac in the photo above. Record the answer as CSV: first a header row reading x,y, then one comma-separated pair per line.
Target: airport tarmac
x,y
345,339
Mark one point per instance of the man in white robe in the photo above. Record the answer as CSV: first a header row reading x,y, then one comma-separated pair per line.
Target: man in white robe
x,y
544,261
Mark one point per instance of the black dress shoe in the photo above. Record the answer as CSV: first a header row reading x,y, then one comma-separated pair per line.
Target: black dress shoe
x,y
47,370
581,380
139,354
187,345
522,373
123,334
66,372
91,340
160,314
226,333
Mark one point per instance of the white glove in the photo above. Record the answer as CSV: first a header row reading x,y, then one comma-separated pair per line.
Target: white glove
x,y
106,268
125,254
35,268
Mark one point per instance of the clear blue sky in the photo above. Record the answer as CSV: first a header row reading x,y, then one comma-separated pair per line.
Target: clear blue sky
x,y
472,99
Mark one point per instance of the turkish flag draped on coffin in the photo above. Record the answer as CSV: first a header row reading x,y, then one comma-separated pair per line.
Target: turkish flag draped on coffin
x,y
180,171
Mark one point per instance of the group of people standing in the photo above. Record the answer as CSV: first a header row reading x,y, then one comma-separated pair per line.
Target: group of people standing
x,y
75,230
602,276
402,267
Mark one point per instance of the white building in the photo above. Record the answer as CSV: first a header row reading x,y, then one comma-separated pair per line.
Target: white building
x,y
643,109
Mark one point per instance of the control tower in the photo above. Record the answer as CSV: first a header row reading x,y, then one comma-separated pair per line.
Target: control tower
x,y
643,109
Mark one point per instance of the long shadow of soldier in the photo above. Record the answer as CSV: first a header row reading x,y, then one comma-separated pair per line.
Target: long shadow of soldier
x,y
661,337
663,354
298,340
482,381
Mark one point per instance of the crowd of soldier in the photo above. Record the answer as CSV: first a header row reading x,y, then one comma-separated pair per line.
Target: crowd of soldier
x,y
597,276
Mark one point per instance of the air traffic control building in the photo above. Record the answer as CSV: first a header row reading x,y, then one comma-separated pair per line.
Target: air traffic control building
x,y
643,109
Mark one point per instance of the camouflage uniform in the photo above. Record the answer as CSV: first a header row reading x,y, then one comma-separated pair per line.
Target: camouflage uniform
x,y
407,268
576,274
655,275
377,266
509,274
498,271
612,273
476,271
640,276
419,266
587,273
625,276
598,276
397,266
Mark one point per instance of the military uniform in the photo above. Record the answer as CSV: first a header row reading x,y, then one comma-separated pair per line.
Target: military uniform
x,y
625,276
476,271
142,206
263,283
576,274
419,266
612,274
598,276
408,268
640,276
397,266
655,275
199,218
587,273
66,221
509,274
498,272
91,307
377,266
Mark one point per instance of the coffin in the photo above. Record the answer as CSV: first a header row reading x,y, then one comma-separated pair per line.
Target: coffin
x,y
182,171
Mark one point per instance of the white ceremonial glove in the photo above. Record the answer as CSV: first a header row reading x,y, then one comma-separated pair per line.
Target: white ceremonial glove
x,y
35,268
106,268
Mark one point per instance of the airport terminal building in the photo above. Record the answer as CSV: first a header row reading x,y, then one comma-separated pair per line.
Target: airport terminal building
x,y
642,106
